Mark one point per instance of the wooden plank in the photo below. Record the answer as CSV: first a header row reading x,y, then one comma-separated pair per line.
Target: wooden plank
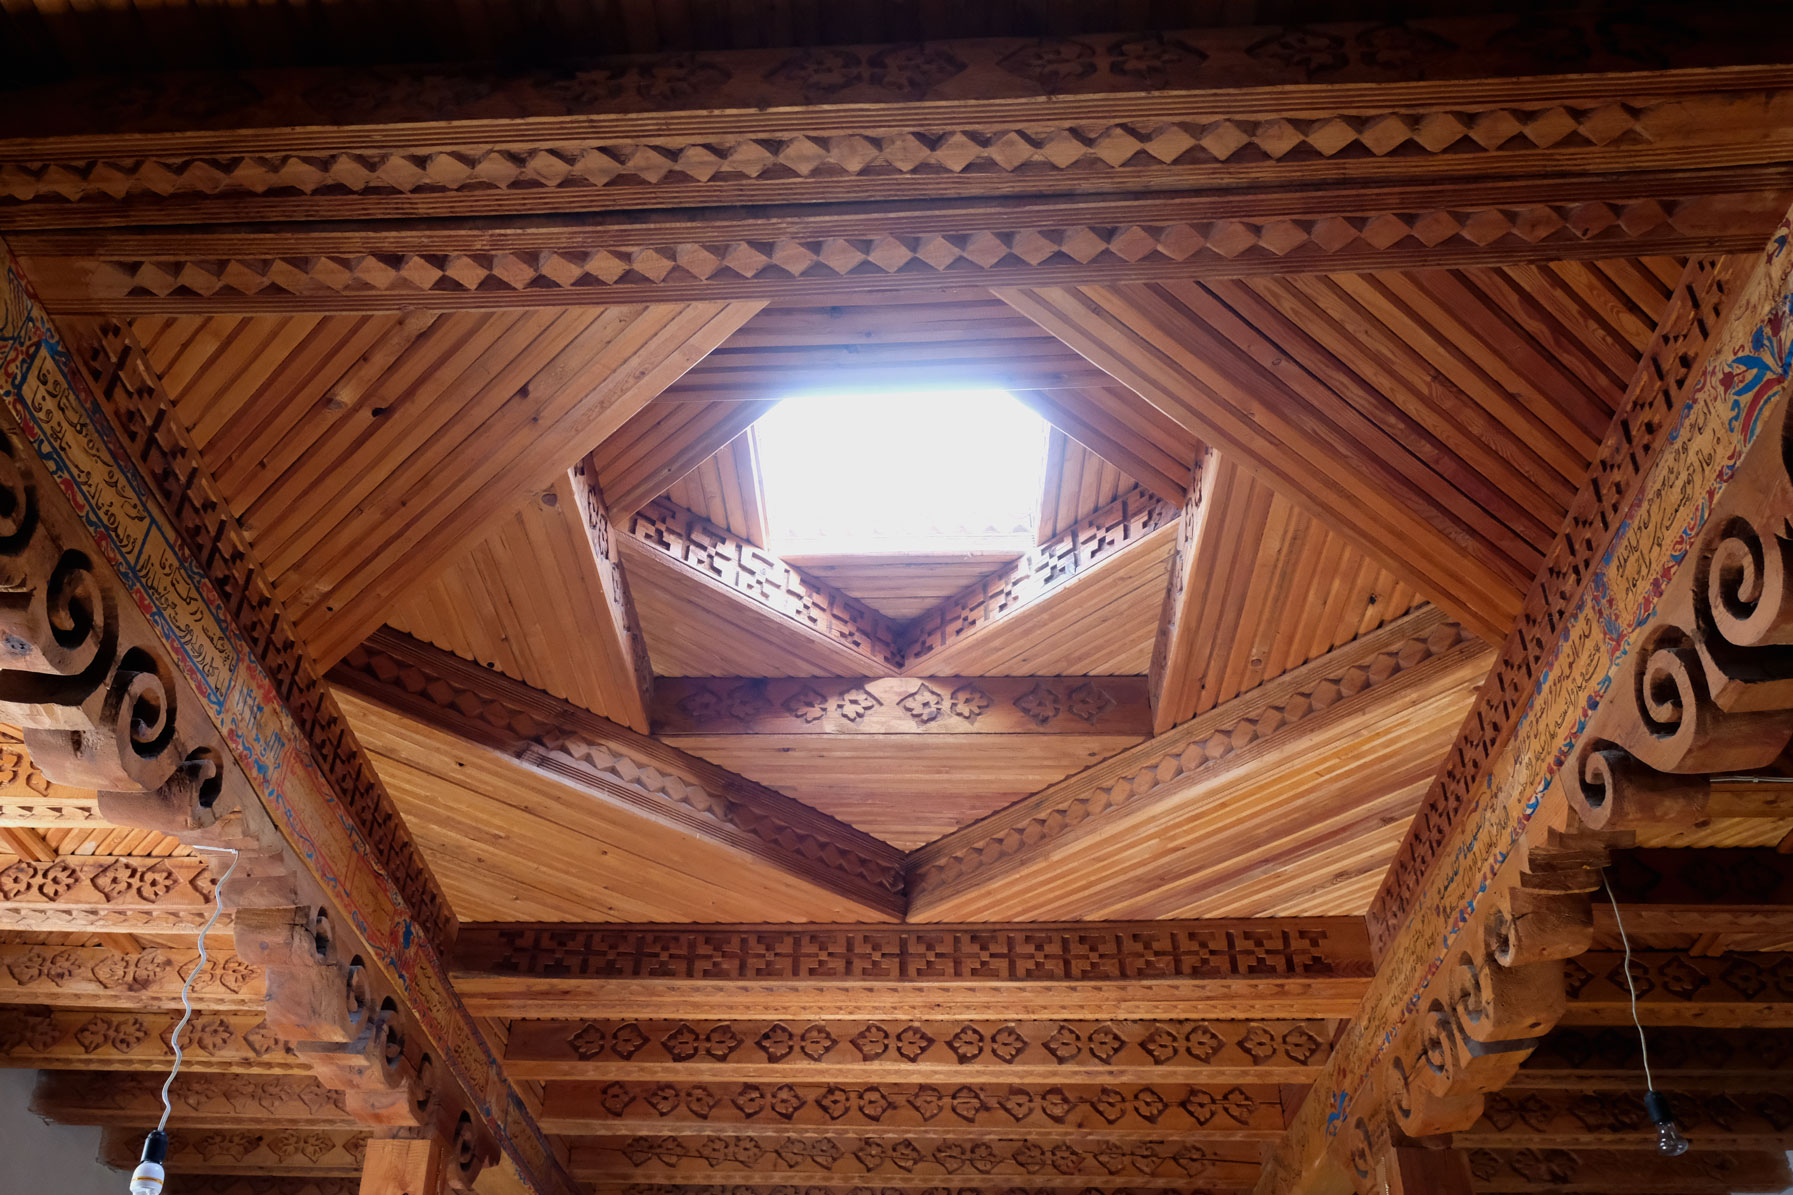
x,y
201,1101
901,705
646,456
522,738
146,978
80,1039
1626,1172
632,970
317,1153
1678,988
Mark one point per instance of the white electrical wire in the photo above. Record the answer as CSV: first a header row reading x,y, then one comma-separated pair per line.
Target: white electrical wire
x,y
187,987
1642,1045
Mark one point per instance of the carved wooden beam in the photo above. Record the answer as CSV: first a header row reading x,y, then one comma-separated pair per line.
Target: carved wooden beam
x,y
1308,967
1677,988
1113,706
1600,1059
227,1184
1736,900
676,259
1209,1107
28,798
79,1039
1416,664
1484,965
1625,1172
1175,680
636,774
914,1160
144,662
1679,351
1739,1118
200,1101
1046,1182
824,622
151,978
307,1153
948,635
1121,112
62,889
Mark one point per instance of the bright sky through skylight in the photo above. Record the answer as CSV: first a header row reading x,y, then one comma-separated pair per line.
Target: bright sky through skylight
x,y
913,472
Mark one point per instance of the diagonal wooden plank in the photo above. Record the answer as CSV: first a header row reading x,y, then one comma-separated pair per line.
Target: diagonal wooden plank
x,y
662,443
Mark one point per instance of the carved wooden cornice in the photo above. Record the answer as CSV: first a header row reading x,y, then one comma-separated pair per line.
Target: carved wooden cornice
x,y
581,748
228,1184
1065,241
743,570
928,1051
1740,1118
1157,768
1674,360
200,1100
78,1039
1607,1057
1713,1172
967,1110
101,977
956,705
913,1159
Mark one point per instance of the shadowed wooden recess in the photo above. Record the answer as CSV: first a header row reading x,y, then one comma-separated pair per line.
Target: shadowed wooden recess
x,y
381,498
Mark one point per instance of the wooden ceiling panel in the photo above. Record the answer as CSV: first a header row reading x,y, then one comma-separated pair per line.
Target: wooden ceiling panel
x,y
727,490
362,456
1076,485
903,585
663,443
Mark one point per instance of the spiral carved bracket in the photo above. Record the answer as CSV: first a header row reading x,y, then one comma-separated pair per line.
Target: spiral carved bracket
x,y
103,705
1709,688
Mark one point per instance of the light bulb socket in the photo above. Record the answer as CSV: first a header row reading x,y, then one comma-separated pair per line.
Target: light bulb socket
x,y
1656,1104
155,1147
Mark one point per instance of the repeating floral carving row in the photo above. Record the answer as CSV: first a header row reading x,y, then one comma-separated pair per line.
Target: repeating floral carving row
x,y
1674,977
78,1097
1713,876
1112,64
52,973
1675,356
1736,1052
729,560
833,1189
231,1184
1182,755
68,1038
615,171
389,665
908,1155
1170,1108
1547,1169
691,262
101,882
951,705
341,1150
1738,1113
923,954
127,385
1082,1045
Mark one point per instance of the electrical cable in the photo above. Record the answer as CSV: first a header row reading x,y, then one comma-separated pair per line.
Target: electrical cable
x,y
147,1178
1669,1140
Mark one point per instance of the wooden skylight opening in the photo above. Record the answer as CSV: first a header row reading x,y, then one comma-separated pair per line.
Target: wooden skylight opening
x,y
902,473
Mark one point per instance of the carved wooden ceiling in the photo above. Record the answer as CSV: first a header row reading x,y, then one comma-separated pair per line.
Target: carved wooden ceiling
x,y
1080,866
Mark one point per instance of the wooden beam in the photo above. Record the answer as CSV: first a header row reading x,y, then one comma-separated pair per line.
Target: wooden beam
x,y
664,442
1175,680
105,893
82,1039
1739,1118
913,1160
1625,1172
1111,706
1124,430
309,1153
403,1167
228,1184
1734,900
1384,704
1207,1108
1307,967
200,1101
820,622
149,978
1601,1059
558,263
1677,988
1515,901
535,740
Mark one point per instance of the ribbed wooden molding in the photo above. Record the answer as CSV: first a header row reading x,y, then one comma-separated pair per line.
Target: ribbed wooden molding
x,y
210,1101
308,1153
1675,358
1273,711
79,1039
1081,242
967,1110
610,760
867,121
102,977
884,705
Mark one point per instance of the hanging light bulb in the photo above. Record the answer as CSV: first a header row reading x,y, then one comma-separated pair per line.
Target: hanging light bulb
x,y
1669,1141
147,1178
